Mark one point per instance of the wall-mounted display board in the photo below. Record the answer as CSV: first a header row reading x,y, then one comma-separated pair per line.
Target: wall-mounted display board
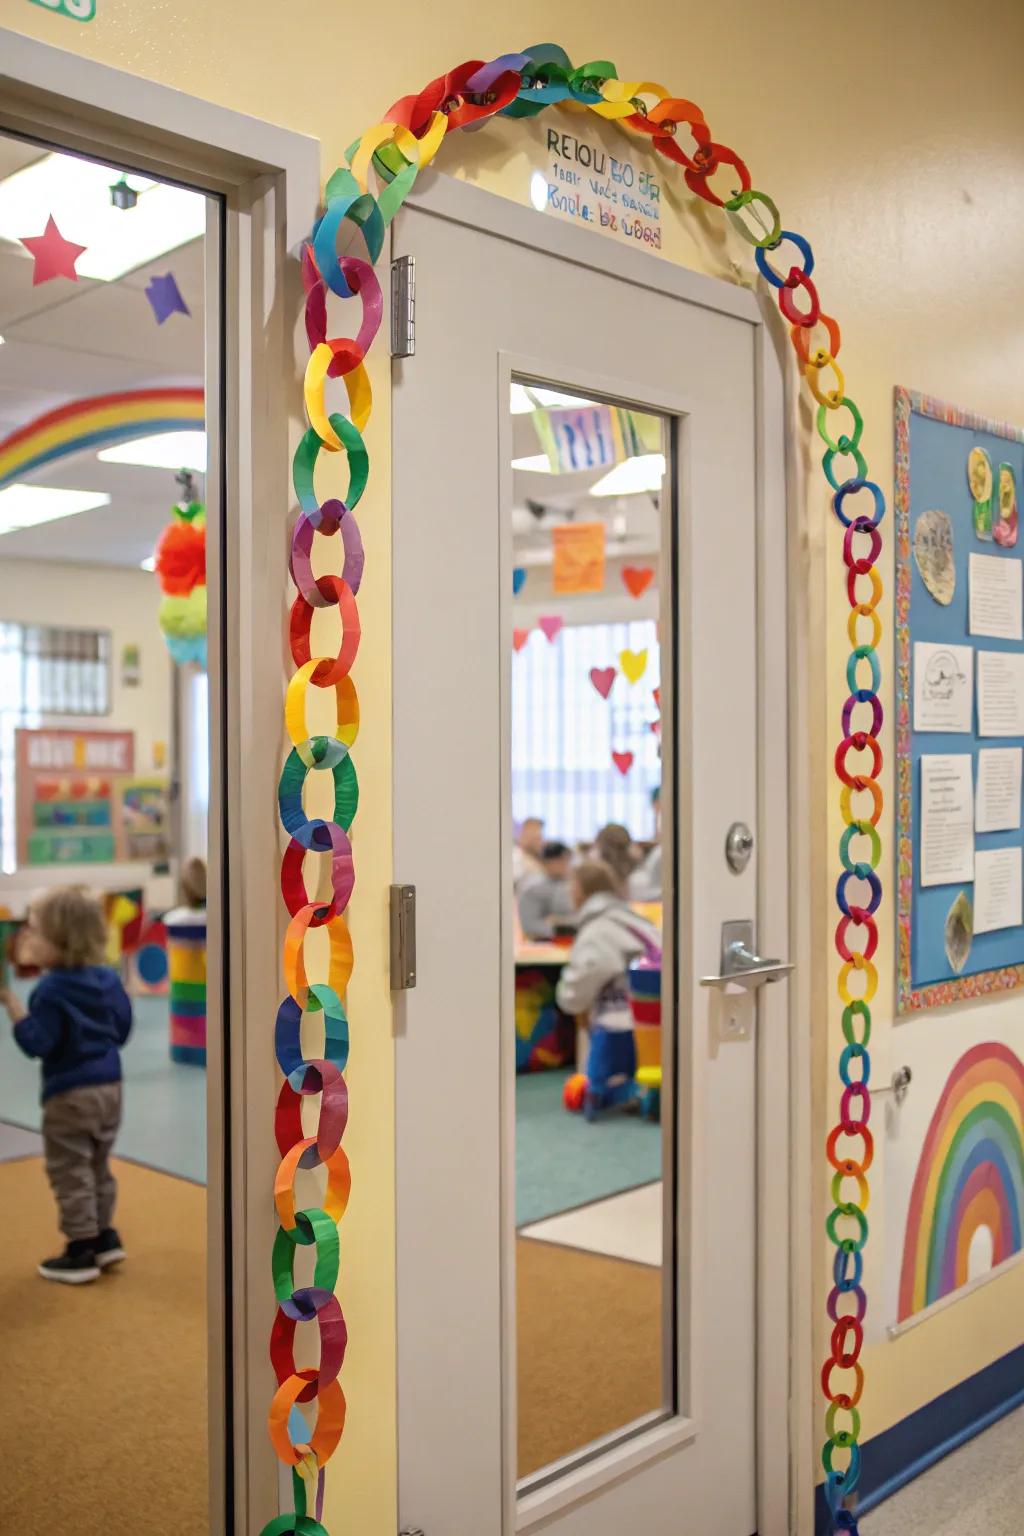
x,y
960,703
79,801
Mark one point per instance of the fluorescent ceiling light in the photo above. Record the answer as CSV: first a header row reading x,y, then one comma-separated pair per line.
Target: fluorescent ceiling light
x,y
645,472
538,191
539,463
164,450
149,564
77,194
26,506
521,404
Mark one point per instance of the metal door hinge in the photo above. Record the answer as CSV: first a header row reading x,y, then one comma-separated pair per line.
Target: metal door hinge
x,y
403,306
403,937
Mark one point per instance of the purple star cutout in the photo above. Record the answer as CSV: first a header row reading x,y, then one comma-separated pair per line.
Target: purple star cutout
x,y
164,295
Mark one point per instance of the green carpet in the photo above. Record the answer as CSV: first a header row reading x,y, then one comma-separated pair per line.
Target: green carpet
x,y
164,1123
563,1161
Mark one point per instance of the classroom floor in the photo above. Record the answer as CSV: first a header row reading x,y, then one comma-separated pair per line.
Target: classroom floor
x,y
973,1492
104,1413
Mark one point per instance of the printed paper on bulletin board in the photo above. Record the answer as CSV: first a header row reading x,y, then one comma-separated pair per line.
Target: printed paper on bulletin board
x,y
954,1196
962,936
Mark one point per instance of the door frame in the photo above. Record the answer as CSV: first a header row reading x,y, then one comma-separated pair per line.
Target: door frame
x,y
268,182
784,1373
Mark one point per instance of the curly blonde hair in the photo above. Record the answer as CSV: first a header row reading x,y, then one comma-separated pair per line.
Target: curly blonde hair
x,y
70,918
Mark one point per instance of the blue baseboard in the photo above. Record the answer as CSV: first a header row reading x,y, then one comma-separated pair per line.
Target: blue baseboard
x,y
896,1457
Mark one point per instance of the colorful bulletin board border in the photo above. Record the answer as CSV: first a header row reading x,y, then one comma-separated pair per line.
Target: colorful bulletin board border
x,y
98,422
911,998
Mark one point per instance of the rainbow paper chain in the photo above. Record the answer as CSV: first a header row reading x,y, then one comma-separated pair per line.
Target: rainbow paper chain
x,y
394,151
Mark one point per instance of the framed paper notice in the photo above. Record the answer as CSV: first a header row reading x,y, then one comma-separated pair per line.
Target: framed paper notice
x,y
959,704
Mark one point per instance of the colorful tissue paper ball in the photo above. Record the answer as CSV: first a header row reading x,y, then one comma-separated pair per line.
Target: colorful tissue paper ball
x,y
184,616
181,558
574,1092
186,648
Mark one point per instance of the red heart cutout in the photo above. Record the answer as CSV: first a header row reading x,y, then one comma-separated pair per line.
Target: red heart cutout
x,y
623,761
519,638
602,679
657,697
551,625
637,579
656,727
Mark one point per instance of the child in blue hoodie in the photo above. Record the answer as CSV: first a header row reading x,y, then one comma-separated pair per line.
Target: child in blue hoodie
x,y
77,1019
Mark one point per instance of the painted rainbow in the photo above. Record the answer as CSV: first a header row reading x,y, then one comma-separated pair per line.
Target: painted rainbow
x,y
970,1175
97,423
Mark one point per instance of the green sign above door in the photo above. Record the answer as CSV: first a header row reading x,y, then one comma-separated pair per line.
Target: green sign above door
x,y
78,10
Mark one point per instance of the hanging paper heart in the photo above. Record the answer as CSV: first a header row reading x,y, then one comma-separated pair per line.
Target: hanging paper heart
x,y
623,761
551,625
657,697
637,579
602,679
656,727
519,638
634,663
518,579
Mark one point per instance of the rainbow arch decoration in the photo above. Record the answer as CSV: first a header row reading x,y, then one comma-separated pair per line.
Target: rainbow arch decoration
x,y
98,422
970,1175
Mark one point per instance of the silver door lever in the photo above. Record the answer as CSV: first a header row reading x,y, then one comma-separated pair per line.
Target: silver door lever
x,y
741,966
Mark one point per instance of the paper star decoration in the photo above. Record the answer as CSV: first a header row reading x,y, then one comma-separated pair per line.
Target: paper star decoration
x,y
54,256
164,295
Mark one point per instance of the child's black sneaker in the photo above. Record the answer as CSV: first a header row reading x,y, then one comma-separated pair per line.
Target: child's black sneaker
x,y
75,1266
108,1248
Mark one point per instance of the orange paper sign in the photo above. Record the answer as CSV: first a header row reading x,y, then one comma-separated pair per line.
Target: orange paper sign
x,y
578,557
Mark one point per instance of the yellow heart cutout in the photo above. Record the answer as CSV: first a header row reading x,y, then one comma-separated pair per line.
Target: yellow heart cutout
x,y
634,664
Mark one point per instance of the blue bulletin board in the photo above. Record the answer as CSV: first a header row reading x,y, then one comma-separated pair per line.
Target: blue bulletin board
x,y
941,454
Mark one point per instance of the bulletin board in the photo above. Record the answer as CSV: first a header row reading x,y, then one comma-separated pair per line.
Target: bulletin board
x,y
960,703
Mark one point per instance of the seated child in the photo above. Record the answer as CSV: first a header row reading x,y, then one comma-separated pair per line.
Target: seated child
x,y
77,1019
609,936
545,899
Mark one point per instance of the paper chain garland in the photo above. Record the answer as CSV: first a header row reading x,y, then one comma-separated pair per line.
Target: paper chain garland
x,y
395,150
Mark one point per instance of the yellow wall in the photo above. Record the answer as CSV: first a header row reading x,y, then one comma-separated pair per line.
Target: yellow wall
x,y
892,133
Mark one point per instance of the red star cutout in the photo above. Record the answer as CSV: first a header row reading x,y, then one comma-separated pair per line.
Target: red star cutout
x,y
54,256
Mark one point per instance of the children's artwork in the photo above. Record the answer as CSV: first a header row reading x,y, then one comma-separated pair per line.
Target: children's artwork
x,y
933,552
551,625
519,638
602,679
958,1202
636,579
54,256
960,698
148,971
633,664
623,761
78,10
1004,528
959,932
578,558
145,819
165,298
65,794
181,570
591,436
979,478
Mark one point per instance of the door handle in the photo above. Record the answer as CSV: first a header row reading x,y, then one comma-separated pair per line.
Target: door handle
x,y
741,965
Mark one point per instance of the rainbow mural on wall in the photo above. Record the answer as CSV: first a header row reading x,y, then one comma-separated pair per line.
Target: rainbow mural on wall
x,y
970,1175
97,423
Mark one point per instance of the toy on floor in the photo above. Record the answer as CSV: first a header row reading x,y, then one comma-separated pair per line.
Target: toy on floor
x,y
147,963
624,1066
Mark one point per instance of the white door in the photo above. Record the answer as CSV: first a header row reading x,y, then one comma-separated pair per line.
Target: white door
x,y
507,297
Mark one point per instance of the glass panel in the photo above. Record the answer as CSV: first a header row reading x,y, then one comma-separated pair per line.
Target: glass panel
x,y
594,1265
